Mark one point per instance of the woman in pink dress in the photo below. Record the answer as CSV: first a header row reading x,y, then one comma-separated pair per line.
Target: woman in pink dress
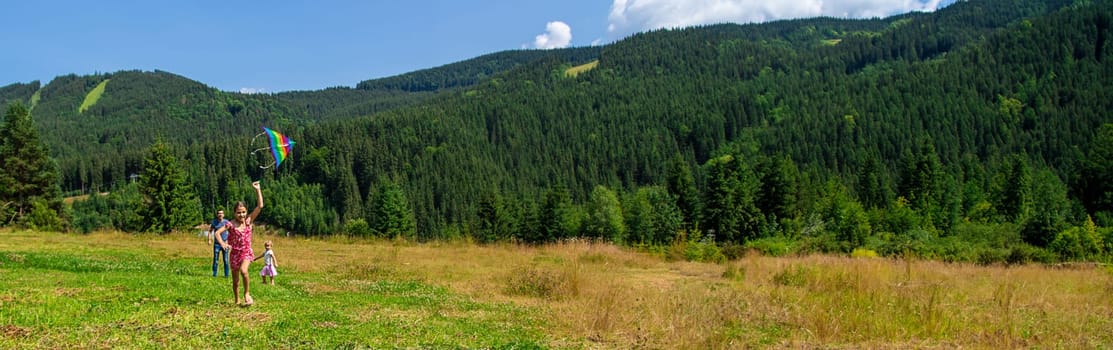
x,y
239,245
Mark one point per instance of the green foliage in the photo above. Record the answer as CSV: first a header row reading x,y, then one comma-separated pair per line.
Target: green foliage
x,y
863,253
1078,242
1096,180
27,173
777,195
494,221
91,214
358,227
845,218
934,125
773,246
556,217
695,246
168,200
300,208
652,216
603,216
682,186
391,216
43,217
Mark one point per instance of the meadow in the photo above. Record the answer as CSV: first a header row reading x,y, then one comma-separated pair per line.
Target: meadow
x,y
108,289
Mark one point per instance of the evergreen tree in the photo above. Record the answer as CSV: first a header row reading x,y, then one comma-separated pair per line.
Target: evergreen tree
x,y
168,201
722,213
920,178
1015,198
391,214
682,186
493,221
1044,224
845,217
777,195
27,174
555,217
1096,180
872,190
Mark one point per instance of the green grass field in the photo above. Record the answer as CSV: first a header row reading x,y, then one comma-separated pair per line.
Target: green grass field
x,y
63,291
155,291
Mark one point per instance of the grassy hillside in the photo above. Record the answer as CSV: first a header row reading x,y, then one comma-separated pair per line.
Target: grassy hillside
x,y
93,96
111,289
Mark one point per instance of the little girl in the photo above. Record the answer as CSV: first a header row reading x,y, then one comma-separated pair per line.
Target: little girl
x,y
239,244
270,265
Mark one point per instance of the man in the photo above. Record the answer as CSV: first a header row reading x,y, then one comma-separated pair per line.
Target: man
x,y
219,251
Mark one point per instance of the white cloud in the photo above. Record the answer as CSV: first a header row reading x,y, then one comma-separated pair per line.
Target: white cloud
x,y
631,16
247,90
557,35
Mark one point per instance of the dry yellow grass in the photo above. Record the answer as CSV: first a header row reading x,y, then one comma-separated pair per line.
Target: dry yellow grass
x,y
602,296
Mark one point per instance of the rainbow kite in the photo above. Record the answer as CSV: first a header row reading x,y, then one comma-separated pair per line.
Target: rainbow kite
x,y
281,146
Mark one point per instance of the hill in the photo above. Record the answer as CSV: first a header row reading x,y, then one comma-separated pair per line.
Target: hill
x,y
99,145
834,134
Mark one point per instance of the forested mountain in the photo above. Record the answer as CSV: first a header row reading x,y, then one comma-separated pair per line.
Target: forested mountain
x,y
99,125
890,134
470,72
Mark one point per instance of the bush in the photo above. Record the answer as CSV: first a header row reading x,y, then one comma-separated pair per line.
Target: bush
x,y
44,218
1025,253
863,253
358,227
773,246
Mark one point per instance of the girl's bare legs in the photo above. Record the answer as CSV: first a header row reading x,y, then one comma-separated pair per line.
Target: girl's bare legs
x,y
236,286
246,286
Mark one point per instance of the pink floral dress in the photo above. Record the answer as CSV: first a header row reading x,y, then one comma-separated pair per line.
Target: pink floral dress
x,y
240,240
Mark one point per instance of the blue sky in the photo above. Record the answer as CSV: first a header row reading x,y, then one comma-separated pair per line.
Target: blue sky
x,y
274,46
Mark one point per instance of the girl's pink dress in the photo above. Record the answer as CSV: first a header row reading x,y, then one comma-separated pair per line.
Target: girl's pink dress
x,y
240,240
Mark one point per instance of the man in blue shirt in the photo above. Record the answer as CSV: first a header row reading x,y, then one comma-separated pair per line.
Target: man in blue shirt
x,y
219,251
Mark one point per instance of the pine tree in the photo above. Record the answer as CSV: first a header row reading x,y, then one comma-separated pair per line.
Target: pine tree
x,y
682,185
493,221
722,213
391,215
777,195
872,191
554,217
168,201
27,174
1096,180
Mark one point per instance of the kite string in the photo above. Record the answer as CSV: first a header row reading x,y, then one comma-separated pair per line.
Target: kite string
x,y
260,149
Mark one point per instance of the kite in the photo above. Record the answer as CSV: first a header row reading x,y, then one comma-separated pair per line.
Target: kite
x,y
280,146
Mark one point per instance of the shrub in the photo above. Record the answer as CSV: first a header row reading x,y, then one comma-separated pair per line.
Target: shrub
x,y
358,227
773,246
44,218
863,253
